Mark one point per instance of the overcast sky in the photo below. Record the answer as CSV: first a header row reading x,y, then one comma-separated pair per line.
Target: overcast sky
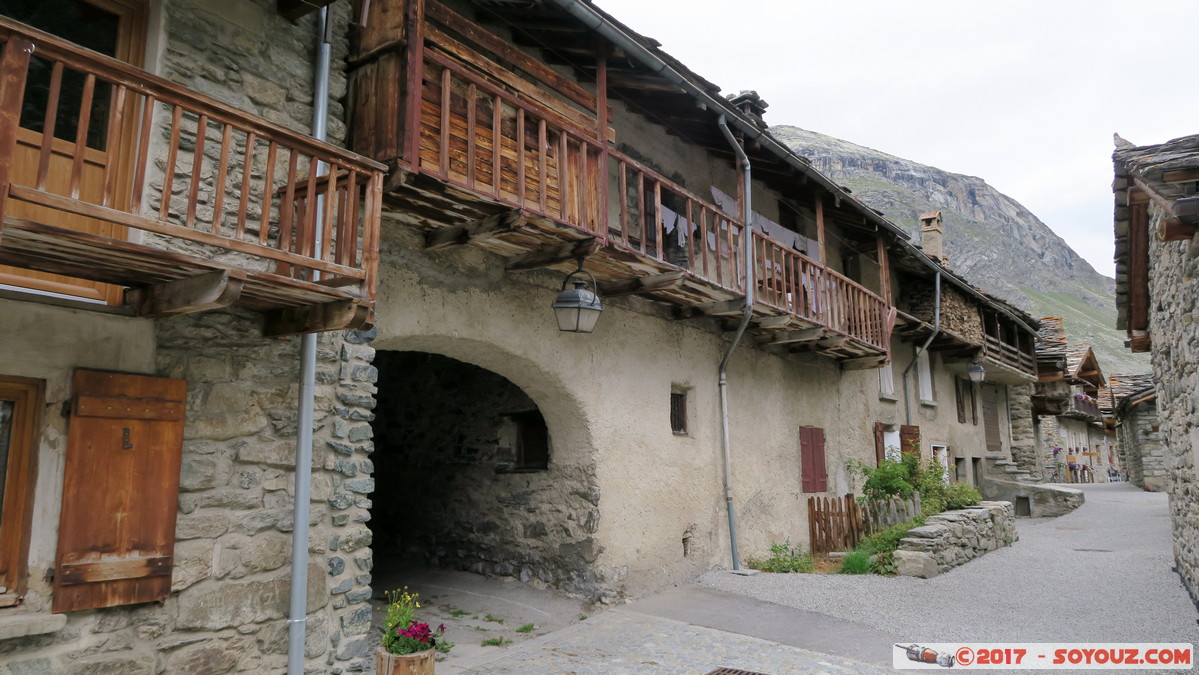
x,y
1025,95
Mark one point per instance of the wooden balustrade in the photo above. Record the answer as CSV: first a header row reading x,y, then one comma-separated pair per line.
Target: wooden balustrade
x,y
135,150
1009,355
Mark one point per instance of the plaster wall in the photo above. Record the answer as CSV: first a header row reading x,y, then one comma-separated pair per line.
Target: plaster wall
x,y
605,398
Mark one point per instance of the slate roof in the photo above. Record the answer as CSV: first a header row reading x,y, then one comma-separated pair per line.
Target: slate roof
x,y
1051,339
1124,386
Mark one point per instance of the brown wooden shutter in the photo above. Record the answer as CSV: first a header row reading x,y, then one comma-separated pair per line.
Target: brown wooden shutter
x,y
116,533
991,420
880,451
974,404
909,438
811,457
958,386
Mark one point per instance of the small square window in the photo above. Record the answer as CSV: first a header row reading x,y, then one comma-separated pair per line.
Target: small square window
x,y
532,441
678,412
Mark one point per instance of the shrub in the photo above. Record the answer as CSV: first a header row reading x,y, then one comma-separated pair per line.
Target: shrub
x,y
882,544
856,562
960,496
783,559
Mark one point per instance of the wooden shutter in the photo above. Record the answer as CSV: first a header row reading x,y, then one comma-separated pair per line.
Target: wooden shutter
x,y
880,450
960,395
813,470
116,533
909,438
991,420
974,404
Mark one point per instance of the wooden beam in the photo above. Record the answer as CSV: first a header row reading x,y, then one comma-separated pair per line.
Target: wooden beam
x,y
830,343
1173,229
1181,176
201,293
864,363
786,337
479,230
718,308
337,315
770,322
821,258
646,284
552,255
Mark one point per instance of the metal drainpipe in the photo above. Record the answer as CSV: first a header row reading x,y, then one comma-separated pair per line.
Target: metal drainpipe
x,y
747,215
907,396
298,615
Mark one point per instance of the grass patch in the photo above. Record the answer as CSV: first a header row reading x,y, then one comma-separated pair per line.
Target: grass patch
x,y
856,562
783,559
582,617
527,628
493,619
456,613
495,642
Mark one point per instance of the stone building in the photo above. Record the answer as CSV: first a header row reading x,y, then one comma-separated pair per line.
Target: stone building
x,y
1141,444
170,227
1157,297
1073,443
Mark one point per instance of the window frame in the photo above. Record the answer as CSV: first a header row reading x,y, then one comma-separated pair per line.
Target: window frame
x,y
20,482
678,412
924,379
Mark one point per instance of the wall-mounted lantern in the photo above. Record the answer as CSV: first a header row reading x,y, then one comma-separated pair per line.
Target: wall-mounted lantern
x,y
577,309
976,372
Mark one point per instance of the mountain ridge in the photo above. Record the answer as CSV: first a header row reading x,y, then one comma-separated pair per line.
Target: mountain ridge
x,y
990,238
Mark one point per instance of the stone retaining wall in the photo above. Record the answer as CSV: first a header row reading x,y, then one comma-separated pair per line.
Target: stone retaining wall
x,y
953,538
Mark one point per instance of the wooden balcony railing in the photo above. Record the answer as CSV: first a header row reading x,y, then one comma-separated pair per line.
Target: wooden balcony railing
x,y
482,129
793,282
88,139
1085,408
1009,355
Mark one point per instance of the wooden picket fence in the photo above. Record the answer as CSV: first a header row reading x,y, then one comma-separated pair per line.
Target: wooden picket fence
x,y
839,523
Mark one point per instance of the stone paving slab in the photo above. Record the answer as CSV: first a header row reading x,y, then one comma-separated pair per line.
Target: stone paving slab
x,y
622,641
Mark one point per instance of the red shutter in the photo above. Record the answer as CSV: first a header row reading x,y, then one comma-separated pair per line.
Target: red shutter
x,y
813,470
880,451
909,438
116,533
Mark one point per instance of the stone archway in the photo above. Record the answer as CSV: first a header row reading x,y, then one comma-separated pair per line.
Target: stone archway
x,y
482,462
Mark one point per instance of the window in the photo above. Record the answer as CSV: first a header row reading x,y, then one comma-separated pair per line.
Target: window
x,y
887,442
532,441
20,405
886,382
940,454
964,390
678,412
812,468
924,377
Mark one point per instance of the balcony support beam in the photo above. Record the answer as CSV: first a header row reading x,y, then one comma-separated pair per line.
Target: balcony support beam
x,y
479,230
647,284
200,293
788,337
717,308
864,363
336,315
553,255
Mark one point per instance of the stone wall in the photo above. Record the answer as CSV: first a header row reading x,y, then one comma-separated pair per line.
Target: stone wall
x,y
1174,306
959,314
954,538
1044,501
1143,447
229,602
446,450
1024,433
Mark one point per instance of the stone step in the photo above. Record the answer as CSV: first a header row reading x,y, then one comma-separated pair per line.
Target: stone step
x,y
995,455
1002,462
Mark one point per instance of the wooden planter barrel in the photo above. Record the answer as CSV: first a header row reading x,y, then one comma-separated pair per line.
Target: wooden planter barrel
x,y
420,663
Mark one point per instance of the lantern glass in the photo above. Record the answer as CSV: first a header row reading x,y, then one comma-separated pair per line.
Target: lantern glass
x,y
977,372
577,309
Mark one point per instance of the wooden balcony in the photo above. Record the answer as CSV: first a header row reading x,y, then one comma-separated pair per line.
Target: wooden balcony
x,y
485,157
1083,409
232,210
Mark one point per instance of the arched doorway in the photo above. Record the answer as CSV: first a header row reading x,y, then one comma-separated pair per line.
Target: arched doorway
x,y
472,474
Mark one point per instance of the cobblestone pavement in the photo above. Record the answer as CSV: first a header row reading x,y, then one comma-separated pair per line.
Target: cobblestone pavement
x,y
623,641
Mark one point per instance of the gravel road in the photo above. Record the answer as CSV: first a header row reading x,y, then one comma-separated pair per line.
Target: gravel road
x,y
1100,574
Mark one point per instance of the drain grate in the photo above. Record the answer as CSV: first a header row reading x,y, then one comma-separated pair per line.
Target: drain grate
x,y
734,671
1094,550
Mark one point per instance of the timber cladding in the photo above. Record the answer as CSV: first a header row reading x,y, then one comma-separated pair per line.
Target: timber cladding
x,y
116,534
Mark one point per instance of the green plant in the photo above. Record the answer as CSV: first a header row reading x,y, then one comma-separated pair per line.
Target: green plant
x,y
402,633
582,617
882,544
493,619
458,613
494,642
856,562
960,496
783,559
527,628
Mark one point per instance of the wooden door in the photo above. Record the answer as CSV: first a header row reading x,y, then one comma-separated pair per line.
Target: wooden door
x,y
116,532
991,419
112,27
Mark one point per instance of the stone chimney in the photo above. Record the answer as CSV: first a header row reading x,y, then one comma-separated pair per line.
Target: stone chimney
x,y
751,104
932,236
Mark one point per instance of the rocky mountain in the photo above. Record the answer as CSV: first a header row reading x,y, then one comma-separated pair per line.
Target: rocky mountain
x,y
999,245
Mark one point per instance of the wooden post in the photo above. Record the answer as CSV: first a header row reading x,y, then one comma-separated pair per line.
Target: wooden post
x,y
822,259
14,65
601,131
414,73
